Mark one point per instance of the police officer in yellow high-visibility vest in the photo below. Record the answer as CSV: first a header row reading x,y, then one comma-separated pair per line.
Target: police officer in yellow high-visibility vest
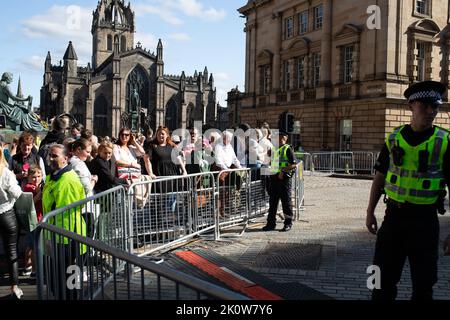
x,y
413,169
282,167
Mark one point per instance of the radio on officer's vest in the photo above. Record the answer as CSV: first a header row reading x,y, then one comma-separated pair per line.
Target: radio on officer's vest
x,y
397,154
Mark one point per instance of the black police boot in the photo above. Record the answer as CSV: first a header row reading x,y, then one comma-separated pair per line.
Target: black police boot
x,y
287,225
269,227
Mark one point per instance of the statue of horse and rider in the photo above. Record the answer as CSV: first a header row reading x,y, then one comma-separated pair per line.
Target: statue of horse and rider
x,y
14,109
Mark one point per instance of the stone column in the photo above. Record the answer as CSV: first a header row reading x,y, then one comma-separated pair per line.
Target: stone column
x,y
247,58
276,80
325,69
447,59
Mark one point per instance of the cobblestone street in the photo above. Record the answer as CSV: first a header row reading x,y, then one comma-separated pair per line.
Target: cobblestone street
x,y
334,218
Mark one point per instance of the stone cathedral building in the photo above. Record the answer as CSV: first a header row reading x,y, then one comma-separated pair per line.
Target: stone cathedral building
x,y
99,95
340,74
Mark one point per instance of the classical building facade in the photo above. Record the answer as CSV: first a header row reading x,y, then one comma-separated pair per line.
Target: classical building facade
x,y
100,95
341,67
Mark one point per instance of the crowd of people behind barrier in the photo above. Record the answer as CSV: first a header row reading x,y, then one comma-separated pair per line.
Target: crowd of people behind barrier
x,y
71,163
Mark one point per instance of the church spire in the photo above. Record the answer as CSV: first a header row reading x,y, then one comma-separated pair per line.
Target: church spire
x,y
70,62
205,75
19,89
48,62
70,53
159,51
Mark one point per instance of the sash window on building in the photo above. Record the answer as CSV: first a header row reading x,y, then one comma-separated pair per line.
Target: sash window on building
x,y
300,72
421,65
286,76
318,17
265,79
303,22
316,69
423,7
348,63
289,27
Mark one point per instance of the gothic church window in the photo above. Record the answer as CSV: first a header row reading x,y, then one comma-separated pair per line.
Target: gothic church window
x,y
123,44
109,43
190,115
138,80
116,43
100,116
79,106
171,115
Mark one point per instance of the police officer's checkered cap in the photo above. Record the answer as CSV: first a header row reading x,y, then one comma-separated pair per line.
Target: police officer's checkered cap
x,y
429,91
426,95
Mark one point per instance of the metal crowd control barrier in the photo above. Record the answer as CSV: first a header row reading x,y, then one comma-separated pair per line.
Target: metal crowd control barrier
x,y
170,210
109,274
103,217
298,191
233,192
306,158
364,162
242,196
345,162
152,216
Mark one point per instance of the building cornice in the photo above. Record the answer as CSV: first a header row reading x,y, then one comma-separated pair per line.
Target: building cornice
x,y
252,4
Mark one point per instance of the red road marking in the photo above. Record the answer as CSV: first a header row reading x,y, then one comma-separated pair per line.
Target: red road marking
x,y
253,291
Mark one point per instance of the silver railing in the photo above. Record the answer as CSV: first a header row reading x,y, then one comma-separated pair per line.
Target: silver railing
x,y
107,273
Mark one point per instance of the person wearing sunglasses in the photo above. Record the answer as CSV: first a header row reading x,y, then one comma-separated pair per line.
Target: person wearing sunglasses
x,y
127,150
413,172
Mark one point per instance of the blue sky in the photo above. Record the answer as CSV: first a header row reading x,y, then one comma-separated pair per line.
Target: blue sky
x,y
195,34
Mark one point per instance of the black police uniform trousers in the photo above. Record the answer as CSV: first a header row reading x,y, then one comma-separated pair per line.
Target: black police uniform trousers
x,y
412,232
280,189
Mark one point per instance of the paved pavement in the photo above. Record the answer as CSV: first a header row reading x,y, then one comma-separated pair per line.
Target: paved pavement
x,y
334,218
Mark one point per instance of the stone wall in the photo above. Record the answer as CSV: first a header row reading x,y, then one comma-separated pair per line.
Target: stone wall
x,y
320,124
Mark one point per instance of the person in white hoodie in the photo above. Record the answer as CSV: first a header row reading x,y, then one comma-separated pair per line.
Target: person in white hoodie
x,y
9,229
81,150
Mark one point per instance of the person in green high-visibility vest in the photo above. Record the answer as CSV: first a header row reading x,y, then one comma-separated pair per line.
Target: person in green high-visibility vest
x,y
62,188
413,170
282,167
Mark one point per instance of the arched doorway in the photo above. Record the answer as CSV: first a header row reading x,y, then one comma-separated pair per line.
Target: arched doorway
x,y
138,79
101,116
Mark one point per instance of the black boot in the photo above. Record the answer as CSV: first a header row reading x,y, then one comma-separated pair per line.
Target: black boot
x,y
269,227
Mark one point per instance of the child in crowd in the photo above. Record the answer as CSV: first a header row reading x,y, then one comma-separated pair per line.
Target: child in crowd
x,y
101,166
34,185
